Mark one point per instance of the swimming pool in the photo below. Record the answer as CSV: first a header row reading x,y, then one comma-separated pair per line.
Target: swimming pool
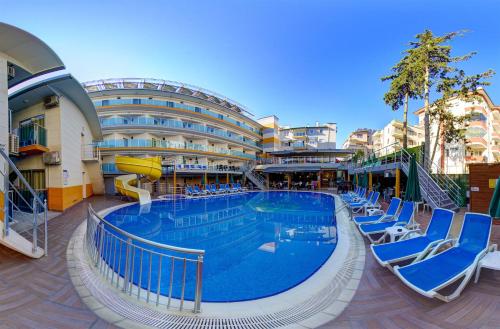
x,y
257,244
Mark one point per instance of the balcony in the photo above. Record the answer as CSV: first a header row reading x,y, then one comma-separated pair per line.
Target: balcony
x,y
161,145
32,139
110,169
175,106
477,143
176,124
90,153
474,159
479,124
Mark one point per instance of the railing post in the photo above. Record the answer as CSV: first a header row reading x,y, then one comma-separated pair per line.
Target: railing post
x,y
127,263
46,237
7,199
199,281
35,215
101,242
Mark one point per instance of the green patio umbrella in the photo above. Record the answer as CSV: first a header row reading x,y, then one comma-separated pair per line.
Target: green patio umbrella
x,y
412,185
217,179
203,180
374,159
231,178
364,183
494,209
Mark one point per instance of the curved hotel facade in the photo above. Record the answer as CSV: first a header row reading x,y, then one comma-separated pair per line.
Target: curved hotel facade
x,y
198,133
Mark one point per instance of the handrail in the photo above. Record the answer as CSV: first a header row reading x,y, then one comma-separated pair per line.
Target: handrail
x,y
105,243
443,183
146,241
19,175
33,206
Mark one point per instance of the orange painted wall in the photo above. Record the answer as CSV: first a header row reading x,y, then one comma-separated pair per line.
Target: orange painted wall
x,y
61,198
89,191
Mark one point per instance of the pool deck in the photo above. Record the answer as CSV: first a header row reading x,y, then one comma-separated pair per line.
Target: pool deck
x,y
39,293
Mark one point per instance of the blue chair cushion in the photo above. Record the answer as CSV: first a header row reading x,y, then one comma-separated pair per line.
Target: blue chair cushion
x,y
435,271
401,249
366,219
375,228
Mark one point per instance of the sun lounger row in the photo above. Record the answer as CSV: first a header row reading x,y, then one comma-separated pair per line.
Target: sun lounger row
x,y
429,261
211,189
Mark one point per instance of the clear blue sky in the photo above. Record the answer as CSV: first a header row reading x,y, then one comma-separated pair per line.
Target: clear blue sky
x,y
303,61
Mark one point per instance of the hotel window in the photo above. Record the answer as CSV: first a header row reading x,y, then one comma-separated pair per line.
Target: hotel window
x,y
105,102
136,101
220,116
197,110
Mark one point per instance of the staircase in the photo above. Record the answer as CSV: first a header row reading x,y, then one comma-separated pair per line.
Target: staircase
x,y
24,227
254,177
437,190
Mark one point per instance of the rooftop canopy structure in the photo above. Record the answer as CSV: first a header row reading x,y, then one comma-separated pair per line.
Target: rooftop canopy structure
x,y
165,86
27,56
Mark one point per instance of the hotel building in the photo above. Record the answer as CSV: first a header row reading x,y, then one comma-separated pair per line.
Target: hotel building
x,y
198,133
299,154
390,138
45,126
360,140
54,124
482,135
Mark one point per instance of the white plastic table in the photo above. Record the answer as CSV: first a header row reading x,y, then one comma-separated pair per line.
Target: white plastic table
x,y
490,261
395,232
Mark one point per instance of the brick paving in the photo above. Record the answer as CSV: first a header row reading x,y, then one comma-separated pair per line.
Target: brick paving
x,y
39,293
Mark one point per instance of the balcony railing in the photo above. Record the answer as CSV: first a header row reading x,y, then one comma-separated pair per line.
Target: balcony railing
x,y
474,158
150,143
297,160
90,152
176,124
155,102
32,134
477,141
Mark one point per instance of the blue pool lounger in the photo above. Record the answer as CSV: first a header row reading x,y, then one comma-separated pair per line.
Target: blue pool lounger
x,y
403,219
357,205
438,271
392,210
411,247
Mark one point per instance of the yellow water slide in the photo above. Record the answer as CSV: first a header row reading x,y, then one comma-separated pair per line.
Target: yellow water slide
x,y
150,168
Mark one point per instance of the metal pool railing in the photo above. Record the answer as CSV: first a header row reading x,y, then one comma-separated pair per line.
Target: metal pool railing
x,y
116,253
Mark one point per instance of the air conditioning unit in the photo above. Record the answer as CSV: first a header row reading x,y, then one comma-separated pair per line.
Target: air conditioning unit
x,y
13,144
50,102
11,72
52,158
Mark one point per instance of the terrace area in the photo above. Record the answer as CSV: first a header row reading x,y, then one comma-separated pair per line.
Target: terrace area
x,y
39,293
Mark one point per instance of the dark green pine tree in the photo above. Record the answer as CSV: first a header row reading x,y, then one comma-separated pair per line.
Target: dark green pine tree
x,y
406,83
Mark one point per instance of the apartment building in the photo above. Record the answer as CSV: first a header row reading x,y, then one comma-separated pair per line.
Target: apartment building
x,y
482,135
390,138
360,140
286,138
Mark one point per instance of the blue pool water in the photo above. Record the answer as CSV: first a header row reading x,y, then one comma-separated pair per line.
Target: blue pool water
x,y
257,244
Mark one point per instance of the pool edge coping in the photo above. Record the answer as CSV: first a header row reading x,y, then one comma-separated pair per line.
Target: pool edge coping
x,y
350,273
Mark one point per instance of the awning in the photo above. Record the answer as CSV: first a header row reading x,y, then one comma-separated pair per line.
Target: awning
x,y
29,55
291,169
